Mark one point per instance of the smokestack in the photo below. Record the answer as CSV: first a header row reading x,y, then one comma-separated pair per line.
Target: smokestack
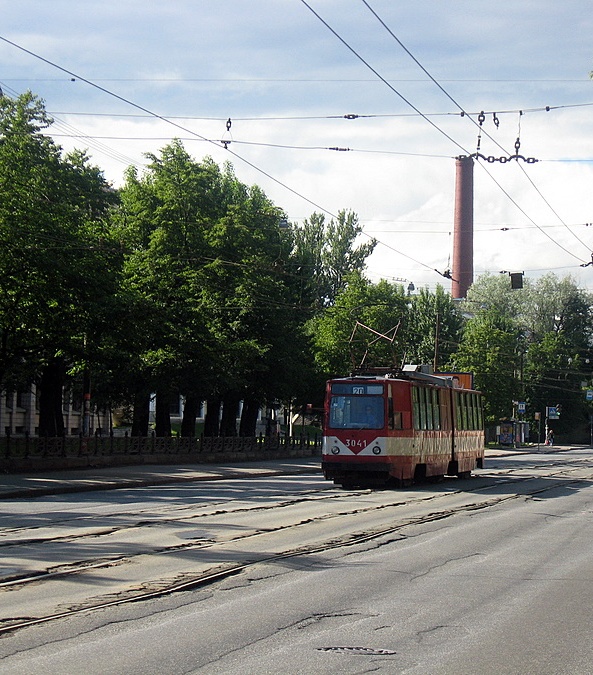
x,y
463,233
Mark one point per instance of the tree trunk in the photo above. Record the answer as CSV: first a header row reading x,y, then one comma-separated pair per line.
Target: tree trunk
x,y
211,421
51,417
163,413
190,414
249,415
140,418
228,426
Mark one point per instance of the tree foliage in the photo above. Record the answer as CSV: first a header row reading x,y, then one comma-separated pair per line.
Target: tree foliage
x,y
433,328
378,325
540,344
184,281
325,255
207,261
56,259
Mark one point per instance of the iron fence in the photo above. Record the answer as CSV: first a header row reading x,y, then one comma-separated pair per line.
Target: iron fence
x,y
109,445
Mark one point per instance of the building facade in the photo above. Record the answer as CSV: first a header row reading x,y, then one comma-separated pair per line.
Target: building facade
x,y
19,414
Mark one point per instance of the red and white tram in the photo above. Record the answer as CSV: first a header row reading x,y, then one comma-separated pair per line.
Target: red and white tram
x,y
398,427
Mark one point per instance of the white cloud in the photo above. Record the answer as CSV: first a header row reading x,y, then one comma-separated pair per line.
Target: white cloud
x,y
272,59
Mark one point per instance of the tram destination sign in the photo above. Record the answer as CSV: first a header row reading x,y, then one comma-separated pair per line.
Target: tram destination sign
x,y
356,389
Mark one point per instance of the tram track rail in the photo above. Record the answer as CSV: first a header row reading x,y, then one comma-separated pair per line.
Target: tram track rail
x,y
555,480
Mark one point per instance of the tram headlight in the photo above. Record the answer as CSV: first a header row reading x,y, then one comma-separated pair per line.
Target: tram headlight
x,y
335,450
376,450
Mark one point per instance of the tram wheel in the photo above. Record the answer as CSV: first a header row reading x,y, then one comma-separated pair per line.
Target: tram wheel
x,y
464,475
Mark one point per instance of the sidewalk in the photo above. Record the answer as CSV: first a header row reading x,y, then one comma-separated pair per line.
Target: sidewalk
x,y
15,486
30,485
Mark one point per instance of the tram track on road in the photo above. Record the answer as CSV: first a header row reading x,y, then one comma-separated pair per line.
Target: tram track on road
x,y
437,506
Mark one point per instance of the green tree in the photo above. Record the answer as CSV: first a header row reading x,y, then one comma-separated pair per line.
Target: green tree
x,y
487,350
433,328
348,334
165,219
325,254
209,263
559,342
549,329
56,257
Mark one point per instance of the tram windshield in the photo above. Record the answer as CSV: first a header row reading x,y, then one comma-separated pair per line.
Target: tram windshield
x,y
356,412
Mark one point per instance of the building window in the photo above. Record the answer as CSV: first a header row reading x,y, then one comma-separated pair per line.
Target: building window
x,y
20,399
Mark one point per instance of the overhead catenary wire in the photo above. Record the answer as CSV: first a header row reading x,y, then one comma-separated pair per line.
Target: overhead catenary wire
x,y
433,124
156,115
329,116
148,113
281,146
196,134
235,141
73,132
479,125
386,82
297,79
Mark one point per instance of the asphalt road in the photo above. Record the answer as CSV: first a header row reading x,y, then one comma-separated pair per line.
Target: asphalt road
x,y
488,575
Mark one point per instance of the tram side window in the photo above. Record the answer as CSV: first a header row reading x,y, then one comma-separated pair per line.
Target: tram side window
x,y
415,408
427,408
395,417
474,411
423,408
463,410
436,410
478,412
429,413
422,402
469,412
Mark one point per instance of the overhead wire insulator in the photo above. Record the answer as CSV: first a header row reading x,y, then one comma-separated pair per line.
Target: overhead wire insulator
x,y
227,141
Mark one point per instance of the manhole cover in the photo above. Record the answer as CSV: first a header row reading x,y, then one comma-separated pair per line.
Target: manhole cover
x,y
366,651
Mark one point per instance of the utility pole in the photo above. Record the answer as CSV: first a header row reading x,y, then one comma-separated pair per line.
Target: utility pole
x,y
435,364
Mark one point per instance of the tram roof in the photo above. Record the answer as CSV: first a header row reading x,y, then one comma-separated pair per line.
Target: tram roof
x,y
408,372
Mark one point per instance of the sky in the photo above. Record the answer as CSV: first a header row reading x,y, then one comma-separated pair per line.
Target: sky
x,y
272,85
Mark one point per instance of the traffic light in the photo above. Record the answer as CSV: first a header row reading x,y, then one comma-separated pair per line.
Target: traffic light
x,y
516,279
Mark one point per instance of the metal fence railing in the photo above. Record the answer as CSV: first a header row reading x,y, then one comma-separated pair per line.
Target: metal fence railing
x,y
25,447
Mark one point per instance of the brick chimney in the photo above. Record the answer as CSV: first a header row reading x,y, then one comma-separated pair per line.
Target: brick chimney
x,y
463,233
